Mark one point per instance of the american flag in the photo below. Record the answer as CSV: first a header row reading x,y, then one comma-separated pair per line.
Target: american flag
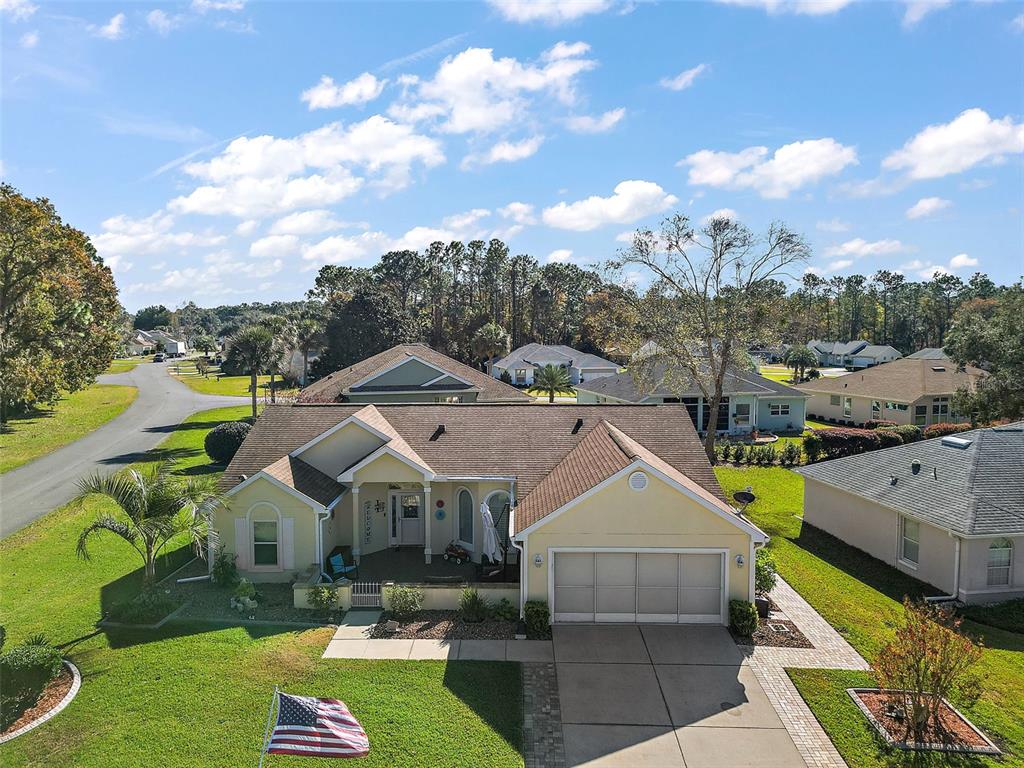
x,y
316,728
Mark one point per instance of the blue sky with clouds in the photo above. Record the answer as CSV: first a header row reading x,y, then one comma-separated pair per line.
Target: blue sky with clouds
x,y
222,151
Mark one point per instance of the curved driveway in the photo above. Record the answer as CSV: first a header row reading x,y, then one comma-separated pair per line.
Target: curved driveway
x,y
32,490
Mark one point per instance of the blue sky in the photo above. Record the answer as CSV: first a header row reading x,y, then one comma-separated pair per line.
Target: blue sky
x,y
222,151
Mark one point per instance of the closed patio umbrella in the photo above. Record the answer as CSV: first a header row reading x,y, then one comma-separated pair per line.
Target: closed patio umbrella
x,y
490,547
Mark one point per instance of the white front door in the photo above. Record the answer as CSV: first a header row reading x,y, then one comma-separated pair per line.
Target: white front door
x,y
408,518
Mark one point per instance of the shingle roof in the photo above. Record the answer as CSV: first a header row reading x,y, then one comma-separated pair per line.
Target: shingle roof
x,y
929,353
333,387
978,490
523,441
874,350
622,386
837,347
903,380
306,479
530,354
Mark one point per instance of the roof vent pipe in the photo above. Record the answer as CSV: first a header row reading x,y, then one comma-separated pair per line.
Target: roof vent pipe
x,y
437,432
577,426
915,467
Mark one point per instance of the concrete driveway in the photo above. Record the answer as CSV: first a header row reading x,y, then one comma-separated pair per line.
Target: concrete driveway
x,y
32,490
670,696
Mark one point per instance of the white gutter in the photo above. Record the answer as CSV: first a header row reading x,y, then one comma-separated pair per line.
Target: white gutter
x,y
522,550
318,531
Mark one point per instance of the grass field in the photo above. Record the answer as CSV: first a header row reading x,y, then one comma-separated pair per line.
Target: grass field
x,y
778,373
215,384
540,393
196,694
40,432
861,597
125,364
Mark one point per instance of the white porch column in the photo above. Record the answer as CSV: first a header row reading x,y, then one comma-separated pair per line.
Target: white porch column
x,y
428,511
357,512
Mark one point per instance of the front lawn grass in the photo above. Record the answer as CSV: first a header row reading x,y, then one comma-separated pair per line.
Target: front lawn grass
x,y
44,430
543,393
125,364
216,384
862,598
196,694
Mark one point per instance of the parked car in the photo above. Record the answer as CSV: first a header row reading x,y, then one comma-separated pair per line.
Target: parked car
x,y
158,357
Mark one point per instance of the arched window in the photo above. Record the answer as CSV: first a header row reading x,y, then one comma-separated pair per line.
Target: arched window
x,y
1000,562
465,505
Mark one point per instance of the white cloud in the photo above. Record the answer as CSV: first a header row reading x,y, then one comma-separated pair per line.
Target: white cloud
x,y
466,220
112,30
274,245
962,260
838,264
632,200
626,237
219,276
328,95
472,92
161,22
340,248
418,238
504,152
204,6
1018,23
247,227
918,9
313,222
248,196
548,11
520,213
803,7
123,237
722,213
970,139
791,166
599,124
833,225
925,270
17,10
927,206
684,79
559,256
29,40
859,247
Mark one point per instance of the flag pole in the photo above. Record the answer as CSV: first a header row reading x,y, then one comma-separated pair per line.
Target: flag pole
x,y
266,731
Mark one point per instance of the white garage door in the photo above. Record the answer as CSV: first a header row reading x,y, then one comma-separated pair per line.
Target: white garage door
x,y
676,587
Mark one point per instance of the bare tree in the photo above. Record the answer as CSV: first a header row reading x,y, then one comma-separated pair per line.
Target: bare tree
x,y
712,296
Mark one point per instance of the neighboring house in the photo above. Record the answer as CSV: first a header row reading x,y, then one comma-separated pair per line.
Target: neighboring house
x,y
749,401
929,353
852,354
140,343
615,509
410,373
769,355
948,511
144,342
907,391
522,363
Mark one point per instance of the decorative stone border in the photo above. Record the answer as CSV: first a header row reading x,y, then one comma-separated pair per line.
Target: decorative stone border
x,y
123,625
991,749
76,683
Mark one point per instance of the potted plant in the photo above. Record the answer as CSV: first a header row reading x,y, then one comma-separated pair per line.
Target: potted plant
x,y
765,576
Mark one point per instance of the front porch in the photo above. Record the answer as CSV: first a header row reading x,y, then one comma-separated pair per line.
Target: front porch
x,y
405,566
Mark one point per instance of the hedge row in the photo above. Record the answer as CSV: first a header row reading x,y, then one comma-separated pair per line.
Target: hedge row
x,y
943,429
847,441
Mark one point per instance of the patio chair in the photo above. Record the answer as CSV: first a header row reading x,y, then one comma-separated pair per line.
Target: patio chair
x,y
336,568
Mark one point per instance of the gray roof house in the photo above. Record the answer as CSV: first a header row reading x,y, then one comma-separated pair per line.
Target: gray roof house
x,y
581,366
948,511
749,402
852,354
929,353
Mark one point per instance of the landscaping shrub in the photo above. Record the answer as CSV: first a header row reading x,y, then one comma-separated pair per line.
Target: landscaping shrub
x,y
225,570
878,424
813,374
739,453
538,619
888,439
943,429
765,572
812,446
504,610
910,433
147,608
473,608
847,441
742,617
506,377
791,455
223,441
245,589
25,671
767,455
323,599
405,602
928,660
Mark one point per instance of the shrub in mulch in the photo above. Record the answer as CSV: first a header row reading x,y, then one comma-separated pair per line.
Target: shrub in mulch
x,y
773,632
26,671
442,625
888,439
879,424
947,730
51,695
147,608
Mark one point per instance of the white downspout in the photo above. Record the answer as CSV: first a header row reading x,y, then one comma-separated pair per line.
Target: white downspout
x,y
956,575
521,550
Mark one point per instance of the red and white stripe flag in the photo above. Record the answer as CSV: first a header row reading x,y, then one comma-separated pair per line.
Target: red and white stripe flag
x,y
316,728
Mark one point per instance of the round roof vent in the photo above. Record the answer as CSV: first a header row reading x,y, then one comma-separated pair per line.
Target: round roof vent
x,y
638,481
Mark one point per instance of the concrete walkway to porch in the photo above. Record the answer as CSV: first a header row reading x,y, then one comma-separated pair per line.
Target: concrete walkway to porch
x,y
352,641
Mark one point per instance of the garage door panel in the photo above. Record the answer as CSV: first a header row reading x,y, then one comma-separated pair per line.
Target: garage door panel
x,y
700,570
574,599
656,600
616,569
574,569
700,602
657,570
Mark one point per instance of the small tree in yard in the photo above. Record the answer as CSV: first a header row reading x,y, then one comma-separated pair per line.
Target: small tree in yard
x,y
765,574
927,661
489,342
552,379
800,359
254,346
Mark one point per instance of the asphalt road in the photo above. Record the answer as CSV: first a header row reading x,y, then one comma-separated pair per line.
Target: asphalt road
x,y
30,491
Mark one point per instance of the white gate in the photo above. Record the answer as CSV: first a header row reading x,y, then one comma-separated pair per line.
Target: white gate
x,y
366,594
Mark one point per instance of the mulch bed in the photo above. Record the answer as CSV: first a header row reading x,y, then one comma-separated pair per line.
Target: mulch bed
x,y
950,731
775,633
444,625
52,695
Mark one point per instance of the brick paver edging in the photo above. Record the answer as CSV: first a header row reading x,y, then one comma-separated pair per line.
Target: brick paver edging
x,y
830,651
76,684
542,717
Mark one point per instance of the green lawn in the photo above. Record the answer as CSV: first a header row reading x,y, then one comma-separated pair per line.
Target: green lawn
x,y
861,597
196,694
778,373
40,432
216,384
817,424
125,364
538,392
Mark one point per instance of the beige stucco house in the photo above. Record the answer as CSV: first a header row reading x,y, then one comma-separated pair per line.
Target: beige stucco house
x,y
907,391
948,511
611,512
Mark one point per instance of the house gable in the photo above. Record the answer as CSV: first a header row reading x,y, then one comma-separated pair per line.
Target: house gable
x,y
411,372
342,448
386,466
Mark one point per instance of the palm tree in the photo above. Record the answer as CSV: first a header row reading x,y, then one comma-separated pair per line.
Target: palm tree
x,y
552,379
254,345
156,507
489,341
800,359
308,336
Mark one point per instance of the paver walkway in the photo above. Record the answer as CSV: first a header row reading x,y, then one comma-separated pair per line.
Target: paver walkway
x,y
831,651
